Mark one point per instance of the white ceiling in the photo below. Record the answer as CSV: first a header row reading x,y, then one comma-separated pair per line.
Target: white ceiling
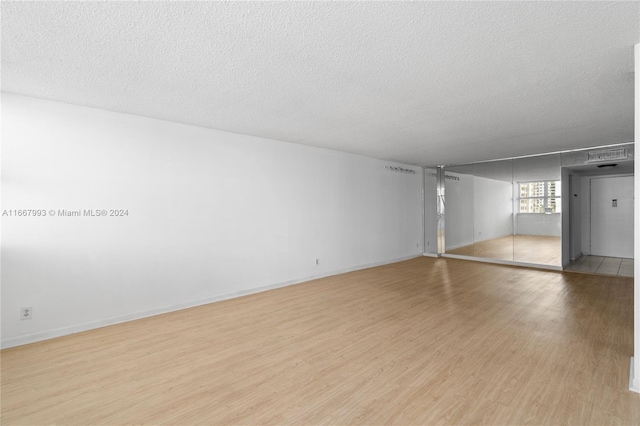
x,y
418,82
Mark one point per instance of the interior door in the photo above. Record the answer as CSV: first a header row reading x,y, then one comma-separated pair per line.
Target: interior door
x,y
612,216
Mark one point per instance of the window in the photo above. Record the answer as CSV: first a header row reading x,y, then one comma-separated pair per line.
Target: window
x,y
540,197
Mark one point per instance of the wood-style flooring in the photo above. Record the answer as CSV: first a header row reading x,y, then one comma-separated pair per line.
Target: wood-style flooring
x,y
421,342
520,248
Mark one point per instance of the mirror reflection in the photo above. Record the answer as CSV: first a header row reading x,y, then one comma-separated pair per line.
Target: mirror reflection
x,y
493,210
538,210
480,195
459,215
506,210
430,211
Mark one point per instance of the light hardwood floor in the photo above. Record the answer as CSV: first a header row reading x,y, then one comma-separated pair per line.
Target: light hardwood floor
x,y
425,341
521,248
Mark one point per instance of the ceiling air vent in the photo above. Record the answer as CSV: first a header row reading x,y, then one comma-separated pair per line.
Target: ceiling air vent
x,y
607,155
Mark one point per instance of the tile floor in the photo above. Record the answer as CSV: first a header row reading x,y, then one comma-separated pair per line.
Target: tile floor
x,y
602,265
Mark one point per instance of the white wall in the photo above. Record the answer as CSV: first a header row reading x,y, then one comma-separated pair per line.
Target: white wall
x,y
575,216
458,195
585,212
211,215
539,224
490,217
492,206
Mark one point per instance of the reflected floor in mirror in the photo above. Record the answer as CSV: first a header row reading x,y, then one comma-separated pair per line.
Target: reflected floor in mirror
x,y
602,265
520,248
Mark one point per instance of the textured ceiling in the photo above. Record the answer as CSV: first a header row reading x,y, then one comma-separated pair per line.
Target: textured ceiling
x,y
423,83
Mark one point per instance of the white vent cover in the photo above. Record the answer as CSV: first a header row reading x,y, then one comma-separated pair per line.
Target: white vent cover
x,y
607,155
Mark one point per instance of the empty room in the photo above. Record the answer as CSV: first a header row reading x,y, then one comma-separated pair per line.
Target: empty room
x,y
362,213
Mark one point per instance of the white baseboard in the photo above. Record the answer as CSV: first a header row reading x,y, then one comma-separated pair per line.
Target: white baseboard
x,y
77,328
431,254
634,381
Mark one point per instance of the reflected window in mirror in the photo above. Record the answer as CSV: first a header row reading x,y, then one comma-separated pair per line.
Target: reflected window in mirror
x,y
540,197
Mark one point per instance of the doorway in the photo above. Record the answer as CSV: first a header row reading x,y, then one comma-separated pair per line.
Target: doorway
x,y
598,237
612,216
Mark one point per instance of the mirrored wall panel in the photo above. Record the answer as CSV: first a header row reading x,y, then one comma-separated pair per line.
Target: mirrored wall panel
x,y
538,210
459,212
493,210
505,210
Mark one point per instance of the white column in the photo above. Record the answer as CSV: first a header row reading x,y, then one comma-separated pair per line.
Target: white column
x,y
635,361
441,210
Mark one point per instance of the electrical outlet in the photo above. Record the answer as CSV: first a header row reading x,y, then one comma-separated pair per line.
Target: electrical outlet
x,y
26,313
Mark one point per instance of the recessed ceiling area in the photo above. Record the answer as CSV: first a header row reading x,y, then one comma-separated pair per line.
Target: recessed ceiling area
x,y
621,167
422,83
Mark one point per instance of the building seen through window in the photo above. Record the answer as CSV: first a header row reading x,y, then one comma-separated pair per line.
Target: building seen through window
x,y
540,197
